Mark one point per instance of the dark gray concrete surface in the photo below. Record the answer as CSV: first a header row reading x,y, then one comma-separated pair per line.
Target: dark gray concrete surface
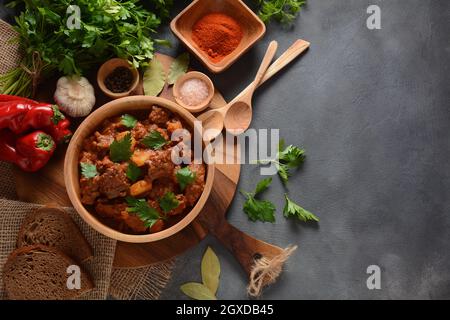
x,y
372,109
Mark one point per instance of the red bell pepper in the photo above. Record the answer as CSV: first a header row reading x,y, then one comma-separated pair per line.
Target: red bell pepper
x,y
36,145
30,152
21,115
8,151
60,132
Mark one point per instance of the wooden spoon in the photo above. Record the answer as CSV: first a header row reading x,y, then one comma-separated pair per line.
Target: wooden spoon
x,y
237,114
215,120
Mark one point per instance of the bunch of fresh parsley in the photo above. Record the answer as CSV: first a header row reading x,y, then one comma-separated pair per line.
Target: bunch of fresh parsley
x,y
108,28
283,11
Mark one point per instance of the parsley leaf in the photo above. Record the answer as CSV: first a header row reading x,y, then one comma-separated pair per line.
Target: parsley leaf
x,y
154,140
291,209
142,209
283,172
121,150
263,185
291,155
287,158
133,172
88,170
283,11
129,121
168,202
261,210
184,177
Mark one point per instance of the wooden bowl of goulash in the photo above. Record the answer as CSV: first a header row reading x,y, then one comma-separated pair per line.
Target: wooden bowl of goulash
x,y
129,171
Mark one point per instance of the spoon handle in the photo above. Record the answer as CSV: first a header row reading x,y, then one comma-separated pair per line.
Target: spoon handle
x,y
287,57
268,57
290,54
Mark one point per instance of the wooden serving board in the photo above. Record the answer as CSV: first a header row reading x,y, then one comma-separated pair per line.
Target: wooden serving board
x,y
47,187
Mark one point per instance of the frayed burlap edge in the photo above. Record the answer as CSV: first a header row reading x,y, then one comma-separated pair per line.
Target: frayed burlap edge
x,y
140,283
265,271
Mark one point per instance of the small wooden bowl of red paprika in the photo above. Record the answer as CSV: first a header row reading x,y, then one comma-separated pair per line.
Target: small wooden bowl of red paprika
x,y
218,32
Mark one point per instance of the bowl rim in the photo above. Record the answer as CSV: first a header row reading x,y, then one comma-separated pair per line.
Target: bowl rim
x,y
71,167
216,67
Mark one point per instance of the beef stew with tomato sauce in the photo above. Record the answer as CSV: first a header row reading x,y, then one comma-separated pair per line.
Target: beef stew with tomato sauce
x,y
128,176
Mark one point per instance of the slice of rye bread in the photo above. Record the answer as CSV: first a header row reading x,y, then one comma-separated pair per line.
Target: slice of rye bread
x,y
39,272
52,226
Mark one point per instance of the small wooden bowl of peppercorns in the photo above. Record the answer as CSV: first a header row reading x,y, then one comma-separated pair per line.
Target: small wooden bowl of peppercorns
x,y
117,79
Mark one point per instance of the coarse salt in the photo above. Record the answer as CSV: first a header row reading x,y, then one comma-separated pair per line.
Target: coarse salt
x,y
194,91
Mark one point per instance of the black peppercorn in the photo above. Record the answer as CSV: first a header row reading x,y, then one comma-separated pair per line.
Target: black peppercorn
x,y
120,80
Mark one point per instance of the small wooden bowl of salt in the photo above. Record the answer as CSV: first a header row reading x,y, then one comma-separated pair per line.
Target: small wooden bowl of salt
x,y
193,91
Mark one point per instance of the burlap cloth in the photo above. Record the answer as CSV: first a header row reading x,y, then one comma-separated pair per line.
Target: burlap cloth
x,y
139,283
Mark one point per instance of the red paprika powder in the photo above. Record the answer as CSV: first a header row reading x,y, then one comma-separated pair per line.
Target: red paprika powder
x,y
217,34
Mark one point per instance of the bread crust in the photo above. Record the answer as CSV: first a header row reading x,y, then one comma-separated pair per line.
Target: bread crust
x,y
89,284
30,217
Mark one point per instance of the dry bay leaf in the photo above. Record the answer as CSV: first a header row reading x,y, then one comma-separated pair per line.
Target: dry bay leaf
x,y
154,78
178,67
197,291
210,270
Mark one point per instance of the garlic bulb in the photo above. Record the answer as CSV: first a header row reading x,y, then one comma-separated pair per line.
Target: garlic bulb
x,y
75,96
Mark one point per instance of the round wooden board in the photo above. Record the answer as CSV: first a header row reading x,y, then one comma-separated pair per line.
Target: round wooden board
x,y
47,187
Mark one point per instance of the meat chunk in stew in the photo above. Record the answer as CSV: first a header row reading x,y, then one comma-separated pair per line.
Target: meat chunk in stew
x,y
194,190
160,164
114,183
89,190
158,116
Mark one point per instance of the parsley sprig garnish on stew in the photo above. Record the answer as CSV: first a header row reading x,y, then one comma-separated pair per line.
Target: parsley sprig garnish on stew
x,y
133,172
148,214
120,150
168,202
154,140
185,177
88,170
143,210
129,121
